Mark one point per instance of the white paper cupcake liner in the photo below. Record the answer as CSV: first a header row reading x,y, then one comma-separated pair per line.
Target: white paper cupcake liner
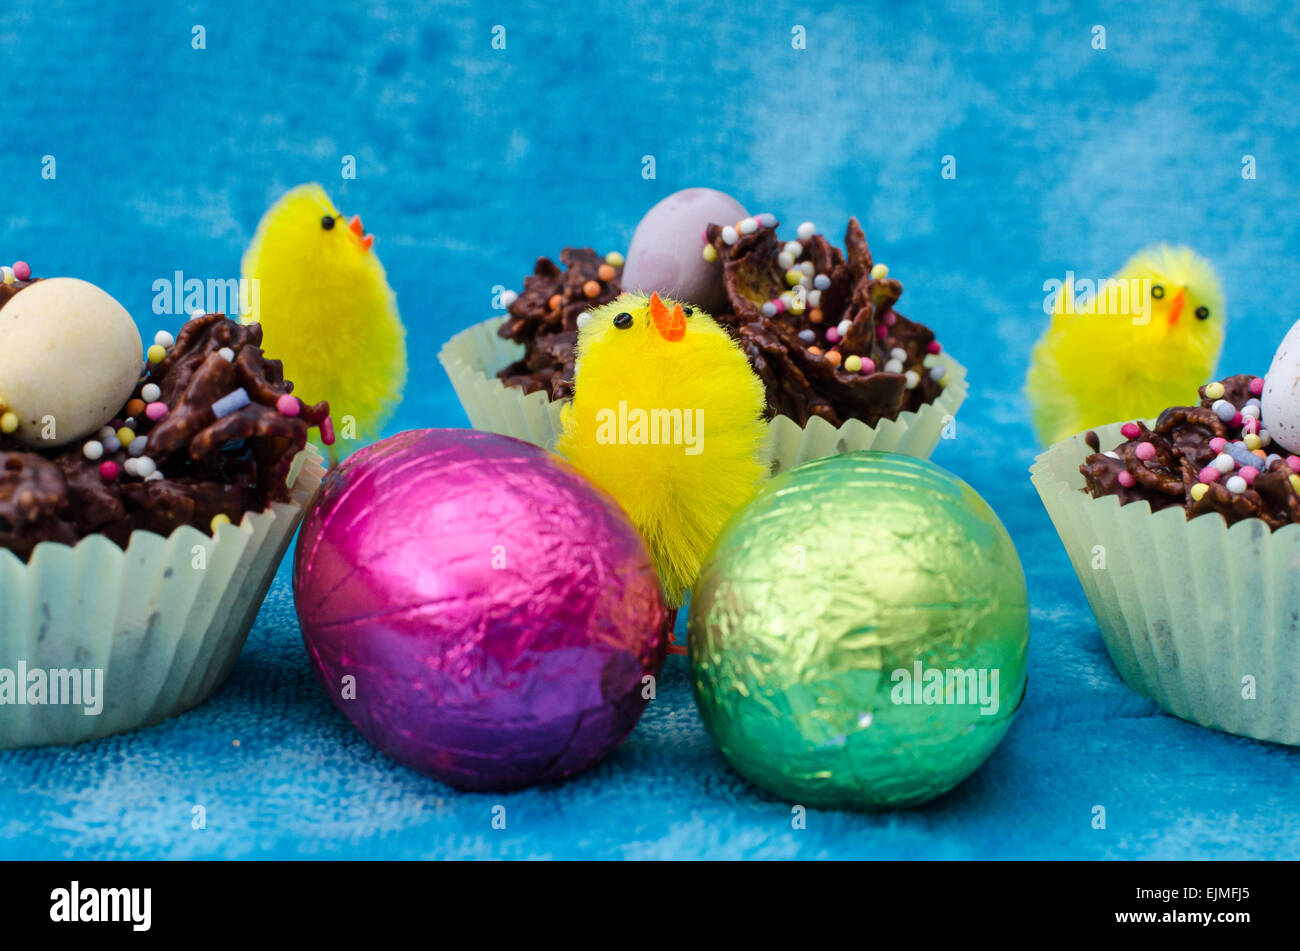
x,y
1201,617
163,620
473,357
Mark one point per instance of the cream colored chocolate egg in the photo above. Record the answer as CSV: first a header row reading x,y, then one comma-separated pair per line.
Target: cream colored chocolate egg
x,y
70,356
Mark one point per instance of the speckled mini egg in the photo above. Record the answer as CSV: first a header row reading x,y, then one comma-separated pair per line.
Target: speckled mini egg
x,y
665,253
1280,401
71,356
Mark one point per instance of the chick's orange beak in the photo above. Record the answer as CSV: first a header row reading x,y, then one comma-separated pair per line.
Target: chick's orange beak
x,y
359,230
1176,306
670,324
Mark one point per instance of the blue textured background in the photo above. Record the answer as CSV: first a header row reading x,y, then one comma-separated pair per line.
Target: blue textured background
x,y
471,162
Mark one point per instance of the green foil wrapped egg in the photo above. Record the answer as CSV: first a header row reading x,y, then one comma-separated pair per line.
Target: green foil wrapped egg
x,y
858,634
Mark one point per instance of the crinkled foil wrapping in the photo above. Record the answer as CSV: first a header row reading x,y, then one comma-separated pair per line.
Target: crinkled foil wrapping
x,y
477,609
840,573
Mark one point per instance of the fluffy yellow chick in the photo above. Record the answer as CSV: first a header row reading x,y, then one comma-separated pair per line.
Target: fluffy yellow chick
x,y
327,311
667,417
1147,338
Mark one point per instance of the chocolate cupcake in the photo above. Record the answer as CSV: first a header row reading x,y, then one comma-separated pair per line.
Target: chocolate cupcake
x,y
842,369
1182,531
136,545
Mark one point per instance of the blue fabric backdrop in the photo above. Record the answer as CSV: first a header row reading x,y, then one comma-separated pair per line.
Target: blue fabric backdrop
x,y
470,162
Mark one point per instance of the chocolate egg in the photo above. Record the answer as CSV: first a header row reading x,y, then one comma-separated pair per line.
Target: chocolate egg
x,y
70,359
1280,401
665,253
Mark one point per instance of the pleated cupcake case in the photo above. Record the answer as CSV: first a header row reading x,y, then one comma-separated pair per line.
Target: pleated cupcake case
x,y
473,357
1200,616
164,619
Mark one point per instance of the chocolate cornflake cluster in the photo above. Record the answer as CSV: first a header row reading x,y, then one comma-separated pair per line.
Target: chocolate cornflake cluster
x,y
212,432
1214,457
818,325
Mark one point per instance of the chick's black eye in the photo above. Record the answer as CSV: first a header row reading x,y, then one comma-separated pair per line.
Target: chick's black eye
x,y
1157,291
1202,313
327,222
688,311
623,321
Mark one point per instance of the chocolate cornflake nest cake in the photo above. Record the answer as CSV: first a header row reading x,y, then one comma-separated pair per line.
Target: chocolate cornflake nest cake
x,y
818,325
210,432
1214,457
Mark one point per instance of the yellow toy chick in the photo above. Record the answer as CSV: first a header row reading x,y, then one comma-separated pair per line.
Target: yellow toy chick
x,y
1147,338
666,417
327,311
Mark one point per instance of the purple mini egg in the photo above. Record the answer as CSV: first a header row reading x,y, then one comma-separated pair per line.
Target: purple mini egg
x,y
666,250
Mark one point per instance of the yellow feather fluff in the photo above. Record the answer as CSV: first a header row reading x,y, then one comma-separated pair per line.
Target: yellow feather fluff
x,y
667,417
1144,341
328,313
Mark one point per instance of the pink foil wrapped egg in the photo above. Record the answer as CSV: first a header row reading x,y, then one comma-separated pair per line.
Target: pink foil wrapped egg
x,y
477,609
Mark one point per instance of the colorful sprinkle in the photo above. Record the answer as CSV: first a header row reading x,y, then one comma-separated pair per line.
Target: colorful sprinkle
x,y
134,406
145,467
834,357
1252,441
815,315
1208,474
710,253
938,373
1248,473
287,404
136,446
93,449
1199,490
232,402
1256,385
879,272
6,274
1224,462
156,411
157,354
821,282
327,431
911,379
748,226
221,518
125,435
893,366
853,363
21,270
1217,444
832,335
1126,479
614,259
163,339
767,219
934,347
1145,451
730,235
806,230
807,336
881,331
1236,485
606,273
868,365
591,289
1224,410
1130,431
8,422
108,470
1214,391
1295,482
